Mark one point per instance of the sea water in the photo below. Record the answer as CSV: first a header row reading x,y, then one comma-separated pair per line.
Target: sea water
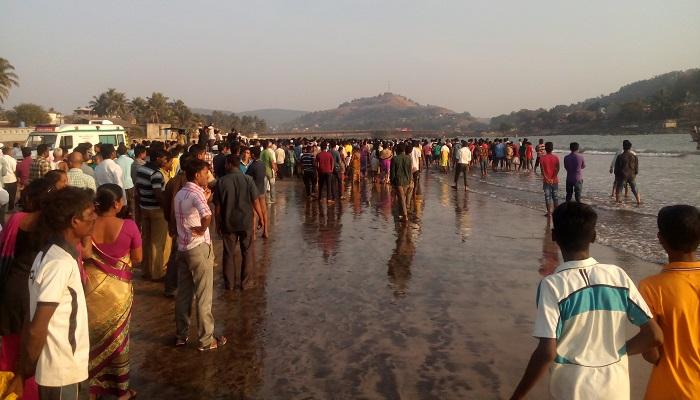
x,y
669,173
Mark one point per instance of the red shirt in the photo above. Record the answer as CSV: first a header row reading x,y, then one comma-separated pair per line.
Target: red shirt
x,y
528,152
23,168
324,162
550,168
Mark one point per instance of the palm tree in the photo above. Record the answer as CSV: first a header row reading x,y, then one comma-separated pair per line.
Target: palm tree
x,y
110,103
182,116
158,109
138,107
7,79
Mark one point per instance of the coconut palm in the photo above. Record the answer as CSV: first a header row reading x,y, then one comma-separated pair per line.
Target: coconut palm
x,y
110,103
138,107
181,115
158,108
8,78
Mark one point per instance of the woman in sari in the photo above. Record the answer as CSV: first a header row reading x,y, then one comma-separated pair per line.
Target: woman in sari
x,y
114,246
20,242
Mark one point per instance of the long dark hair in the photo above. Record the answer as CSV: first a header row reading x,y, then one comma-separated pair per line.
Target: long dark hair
x,y
106,195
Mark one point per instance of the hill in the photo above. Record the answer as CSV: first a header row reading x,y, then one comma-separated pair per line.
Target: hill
x,y
642,104
275,116
387,111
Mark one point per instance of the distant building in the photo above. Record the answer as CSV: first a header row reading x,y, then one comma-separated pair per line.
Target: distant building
x,y
670,123
84,112
56,118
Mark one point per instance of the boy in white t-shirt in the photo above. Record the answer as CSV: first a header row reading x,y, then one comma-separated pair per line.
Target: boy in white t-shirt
x,y
581,308
56,346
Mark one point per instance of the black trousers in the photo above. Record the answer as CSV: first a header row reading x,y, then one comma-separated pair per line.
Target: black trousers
x,y
325,180
235,275
461,169
12,190
309,182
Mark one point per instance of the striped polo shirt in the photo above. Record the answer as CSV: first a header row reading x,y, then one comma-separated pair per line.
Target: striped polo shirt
x,y
148,178
583,305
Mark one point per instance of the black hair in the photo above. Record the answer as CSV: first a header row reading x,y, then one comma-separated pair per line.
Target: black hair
x,y
197,149
59,207
42,148
121,150
574,226
106,151
548,147
54,176
233,160
26,152
255,151
193,167
33,194
400,148
139,149
626,144
155,153
573,146
679,225
106,195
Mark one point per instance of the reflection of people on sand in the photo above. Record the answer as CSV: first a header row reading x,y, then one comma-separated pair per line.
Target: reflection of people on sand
x,y
399,265
550,252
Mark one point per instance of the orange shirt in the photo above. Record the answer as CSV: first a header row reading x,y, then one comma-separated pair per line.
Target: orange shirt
x,y
674,299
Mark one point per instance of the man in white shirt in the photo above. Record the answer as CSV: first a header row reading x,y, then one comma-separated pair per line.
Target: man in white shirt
x,y
464,158
416,155
279,160
108,171
125,162
57,346
9,180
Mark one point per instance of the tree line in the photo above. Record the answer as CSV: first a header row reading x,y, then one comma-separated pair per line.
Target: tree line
x,y
668,96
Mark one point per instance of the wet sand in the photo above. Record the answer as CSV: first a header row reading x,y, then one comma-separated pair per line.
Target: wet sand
x,y
351,304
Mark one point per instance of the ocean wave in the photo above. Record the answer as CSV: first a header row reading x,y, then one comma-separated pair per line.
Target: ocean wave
x,y
639,152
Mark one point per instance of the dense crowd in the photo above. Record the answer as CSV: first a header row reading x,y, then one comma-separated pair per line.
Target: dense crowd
x,y
81,223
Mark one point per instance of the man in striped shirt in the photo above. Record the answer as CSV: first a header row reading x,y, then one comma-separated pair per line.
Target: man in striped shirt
x,y
154,227
580,322
195,260
308,170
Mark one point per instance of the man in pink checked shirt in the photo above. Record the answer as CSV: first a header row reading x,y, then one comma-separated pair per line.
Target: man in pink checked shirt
x,y
195,259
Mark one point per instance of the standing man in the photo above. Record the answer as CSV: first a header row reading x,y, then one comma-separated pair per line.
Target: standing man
x,y
416,155
550,180
309,171
400,177
108,171
540,150
235,199
125,162
574,164
154,227
41,165
56,347
195,258
256,170
269,160
76,176
9,180
280,157
324,166
463,160
626,170
139,161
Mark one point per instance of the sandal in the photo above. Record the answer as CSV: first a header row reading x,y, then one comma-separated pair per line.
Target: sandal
x,y
215,344
181,342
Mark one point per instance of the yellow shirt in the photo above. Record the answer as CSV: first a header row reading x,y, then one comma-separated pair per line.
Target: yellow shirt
x,y
674,299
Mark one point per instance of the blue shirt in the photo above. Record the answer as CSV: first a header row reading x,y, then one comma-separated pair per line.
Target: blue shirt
x,y
573,163
500,150
125,162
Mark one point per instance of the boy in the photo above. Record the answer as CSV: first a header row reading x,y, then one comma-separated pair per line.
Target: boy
x,y
580,313
56,340
673,298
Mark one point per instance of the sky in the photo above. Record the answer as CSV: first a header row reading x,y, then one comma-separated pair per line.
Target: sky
x,y
484,57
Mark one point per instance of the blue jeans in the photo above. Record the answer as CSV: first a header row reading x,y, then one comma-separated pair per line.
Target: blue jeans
x,y
575,189
550,193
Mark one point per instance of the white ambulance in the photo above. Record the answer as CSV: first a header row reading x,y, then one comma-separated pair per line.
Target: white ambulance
x,y
69,136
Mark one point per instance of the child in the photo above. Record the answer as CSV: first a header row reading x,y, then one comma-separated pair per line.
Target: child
x,y
673,298
581,308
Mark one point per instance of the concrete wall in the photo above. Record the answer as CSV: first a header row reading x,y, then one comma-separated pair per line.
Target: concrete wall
x,y
11,135
155,131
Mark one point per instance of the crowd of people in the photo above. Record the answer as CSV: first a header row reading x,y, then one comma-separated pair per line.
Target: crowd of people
x,y
81,223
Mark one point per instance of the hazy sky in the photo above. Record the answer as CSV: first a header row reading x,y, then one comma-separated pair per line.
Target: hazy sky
x,y
485,57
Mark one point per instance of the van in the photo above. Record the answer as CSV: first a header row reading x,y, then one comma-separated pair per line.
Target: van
x,y
69,136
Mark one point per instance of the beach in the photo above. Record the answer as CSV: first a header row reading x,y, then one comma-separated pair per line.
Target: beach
x,y
351,304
